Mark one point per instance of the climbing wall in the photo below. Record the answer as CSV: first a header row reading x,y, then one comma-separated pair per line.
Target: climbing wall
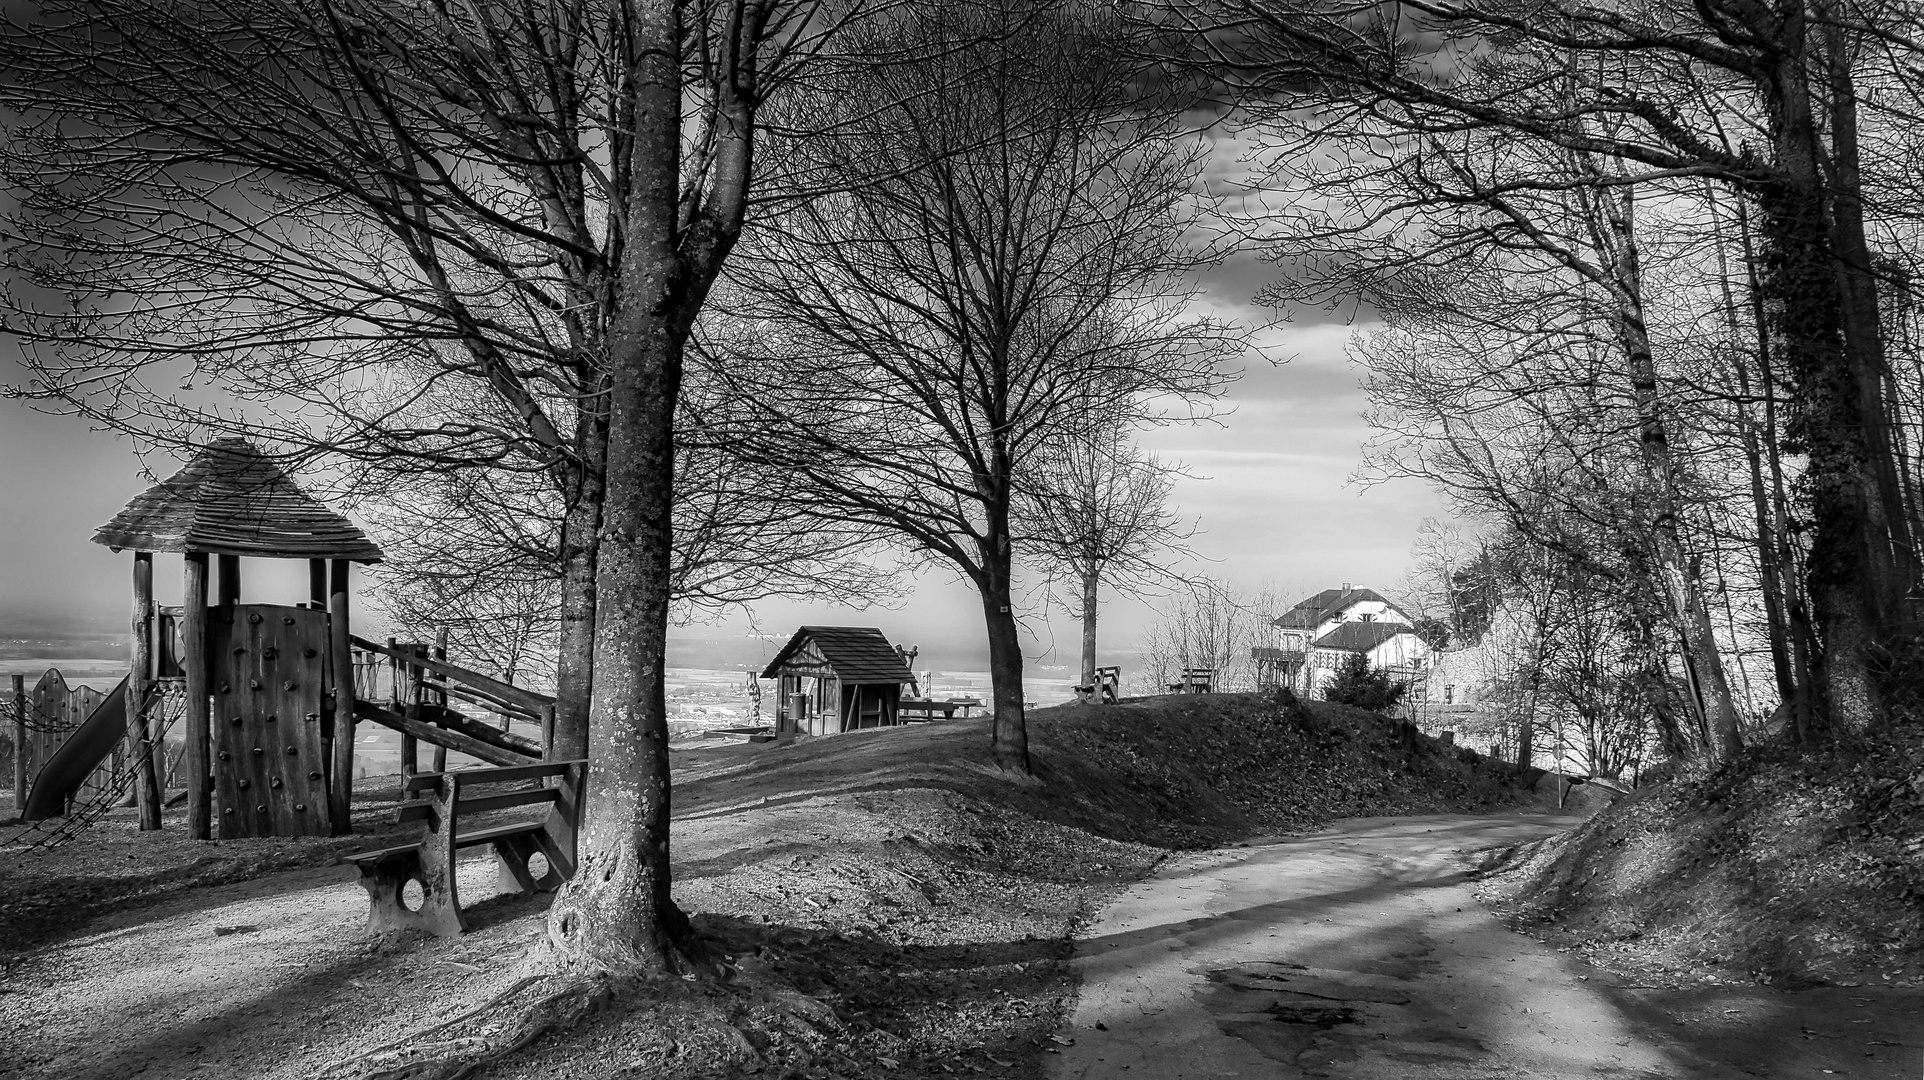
x,y
269,670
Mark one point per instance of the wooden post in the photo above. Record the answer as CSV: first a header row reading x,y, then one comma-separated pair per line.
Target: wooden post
x,y
441,653
140,734
19,743
340,790
411,746
229,584
193,662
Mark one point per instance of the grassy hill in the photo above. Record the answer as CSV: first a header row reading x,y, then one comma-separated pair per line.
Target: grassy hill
x,y
1783,866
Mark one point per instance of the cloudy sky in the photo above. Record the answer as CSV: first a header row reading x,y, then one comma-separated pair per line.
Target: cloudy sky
x,y
1271,499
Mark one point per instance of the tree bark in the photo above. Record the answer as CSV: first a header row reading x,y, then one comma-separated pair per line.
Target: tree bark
x,y
1863,334
1091,586
1681,584
615,915
1009,737
581,526
1849,561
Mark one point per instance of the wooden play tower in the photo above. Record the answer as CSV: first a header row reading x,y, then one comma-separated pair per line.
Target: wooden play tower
x,y
269,702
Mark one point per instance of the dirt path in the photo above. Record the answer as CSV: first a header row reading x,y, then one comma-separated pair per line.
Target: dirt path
x,y
1361,952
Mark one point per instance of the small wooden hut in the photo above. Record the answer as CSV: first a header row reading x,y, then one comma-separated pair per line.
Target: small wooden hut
x,y
838,678
258,677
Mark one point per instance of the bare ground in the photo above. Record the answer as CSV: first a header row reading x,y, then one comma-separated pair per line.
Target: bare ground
x,y
893,905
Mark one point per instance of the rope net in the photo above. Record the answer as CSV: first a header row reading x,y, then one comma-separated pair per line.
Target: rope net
x,y
165,704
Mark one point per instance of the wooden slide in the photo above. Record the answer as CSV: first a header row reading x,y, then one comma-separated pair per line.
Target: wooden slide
x,y
79,756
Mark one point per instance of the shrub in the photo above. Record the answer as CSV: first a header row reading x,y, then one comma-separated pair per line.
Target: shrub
x,y
1357,683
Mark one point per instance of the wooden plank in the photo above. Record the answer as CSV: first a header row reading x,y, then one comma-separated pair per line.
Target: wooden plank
x,y
269,664
140,679
484,803
414,811
193,662
428,733
496,832
526,699
468,693
340,676
513,773
442,716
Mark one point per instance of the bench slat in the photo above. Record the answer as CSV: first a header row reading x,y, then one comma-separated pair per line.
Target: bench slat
x,y
508,773
498,832
413,811
379,853
465,806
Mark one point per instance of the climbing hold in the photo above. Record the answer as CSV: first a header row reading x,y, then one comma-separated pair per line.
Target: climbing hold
x,y
287,685
244,784
253,616
224,755
229,810
253,684
257,750
270,654
223,688
311,654
315,775
292,751
300,806
287,620
261,808
270,718
274,783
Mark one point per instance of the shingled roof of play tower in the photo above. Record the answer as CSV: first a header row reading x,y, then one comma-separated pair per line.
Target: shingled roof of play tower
x,y
231,499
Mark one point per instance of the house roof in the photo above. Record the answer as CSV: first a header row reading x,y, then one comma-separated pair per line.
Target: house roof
x,y
1360,636
1318,609
231,499
859,654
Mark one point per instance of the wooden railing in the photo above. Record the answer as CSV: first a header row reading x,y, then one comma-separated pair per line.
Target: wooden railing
x,y
400,685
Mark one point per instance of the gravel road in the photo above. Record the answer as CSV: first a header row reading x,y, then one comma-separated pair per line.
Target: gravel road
x,y
1361,952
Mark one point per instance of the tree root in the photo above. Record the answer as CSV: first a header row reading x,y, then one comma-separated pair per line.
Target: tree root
x,y
505,1028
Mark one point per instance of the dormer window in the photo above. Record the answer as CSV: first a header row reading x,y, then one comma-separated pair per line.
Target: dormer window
x,y
1368,618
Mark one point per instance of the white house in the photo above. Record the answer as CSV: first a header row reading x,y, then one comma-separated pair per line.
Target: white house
x,y
1311,640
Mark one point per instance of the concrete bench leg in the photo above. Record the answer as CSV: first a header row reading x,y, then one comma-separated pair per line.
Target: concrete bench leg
x,y
385,877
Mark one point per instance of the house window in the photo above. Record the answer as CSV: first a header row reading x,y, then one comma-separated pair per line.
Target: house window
x,y
1449,695
1368,618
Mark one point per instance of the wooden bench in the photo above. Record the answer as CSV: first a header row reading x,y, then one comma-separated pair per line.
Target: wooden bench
x,y
1107,688
1201,680
448,797
928,709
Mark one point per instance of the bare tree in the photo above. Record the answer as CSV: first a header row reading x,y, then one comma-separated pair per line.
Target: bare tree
x,y
1004,269
1104,517
336,210
1212,624
1658,86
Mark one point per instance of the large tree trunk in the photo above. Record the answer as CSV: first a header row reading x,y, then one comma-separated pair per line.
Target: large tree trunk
x,y
1849,561
1888,513
1681,585
1009,735
615,915
574,666
1091,585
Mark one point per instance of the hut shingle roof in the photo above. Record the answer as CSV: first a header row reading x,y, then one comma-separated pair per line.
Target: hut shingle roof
x,y
859,654
232,500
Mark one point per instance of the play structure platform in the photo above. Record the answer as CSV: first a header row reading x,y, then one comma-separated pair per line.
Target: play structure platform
x,y
264,698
